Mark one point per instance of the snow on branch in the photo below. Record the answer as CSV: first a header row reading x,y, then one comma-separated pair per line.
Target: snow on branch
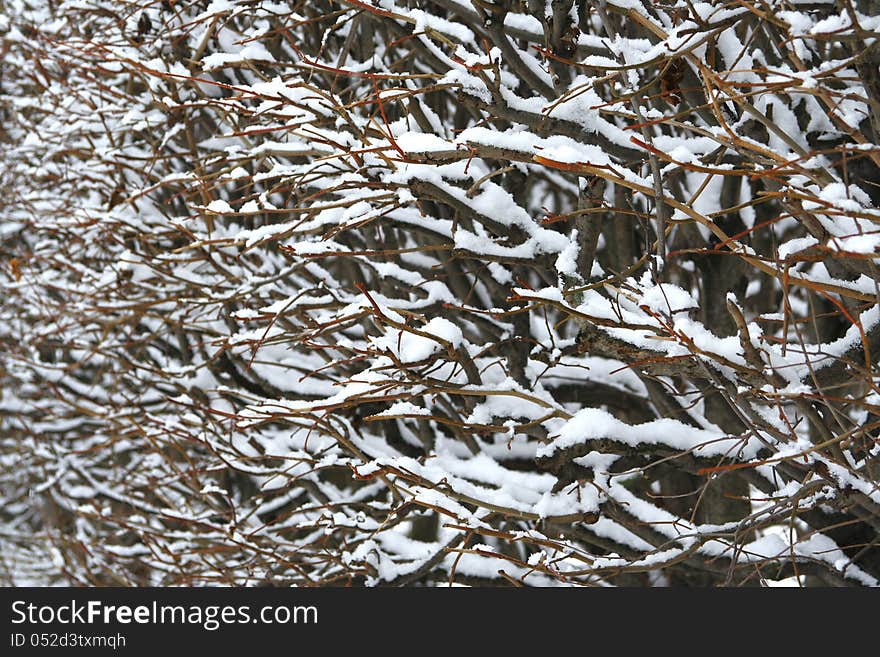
x,y
313,292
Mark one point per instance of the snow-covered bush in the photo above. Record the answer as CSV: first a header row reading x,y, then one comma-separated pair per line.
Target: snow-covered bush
x,y
396,292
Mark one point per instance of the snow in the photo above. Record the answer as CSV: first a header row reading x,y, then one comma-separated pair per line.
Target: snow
x,y
667,298
592,424
219,206
251,52
403,408
364,338
410,347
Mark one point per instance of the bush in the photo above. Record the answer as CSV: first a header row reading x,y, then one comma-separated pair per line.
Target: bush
x,y
396,292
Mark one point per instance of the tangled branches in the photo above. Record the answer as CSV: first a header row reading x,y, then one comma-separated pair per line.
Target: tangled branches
x,y
397,292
